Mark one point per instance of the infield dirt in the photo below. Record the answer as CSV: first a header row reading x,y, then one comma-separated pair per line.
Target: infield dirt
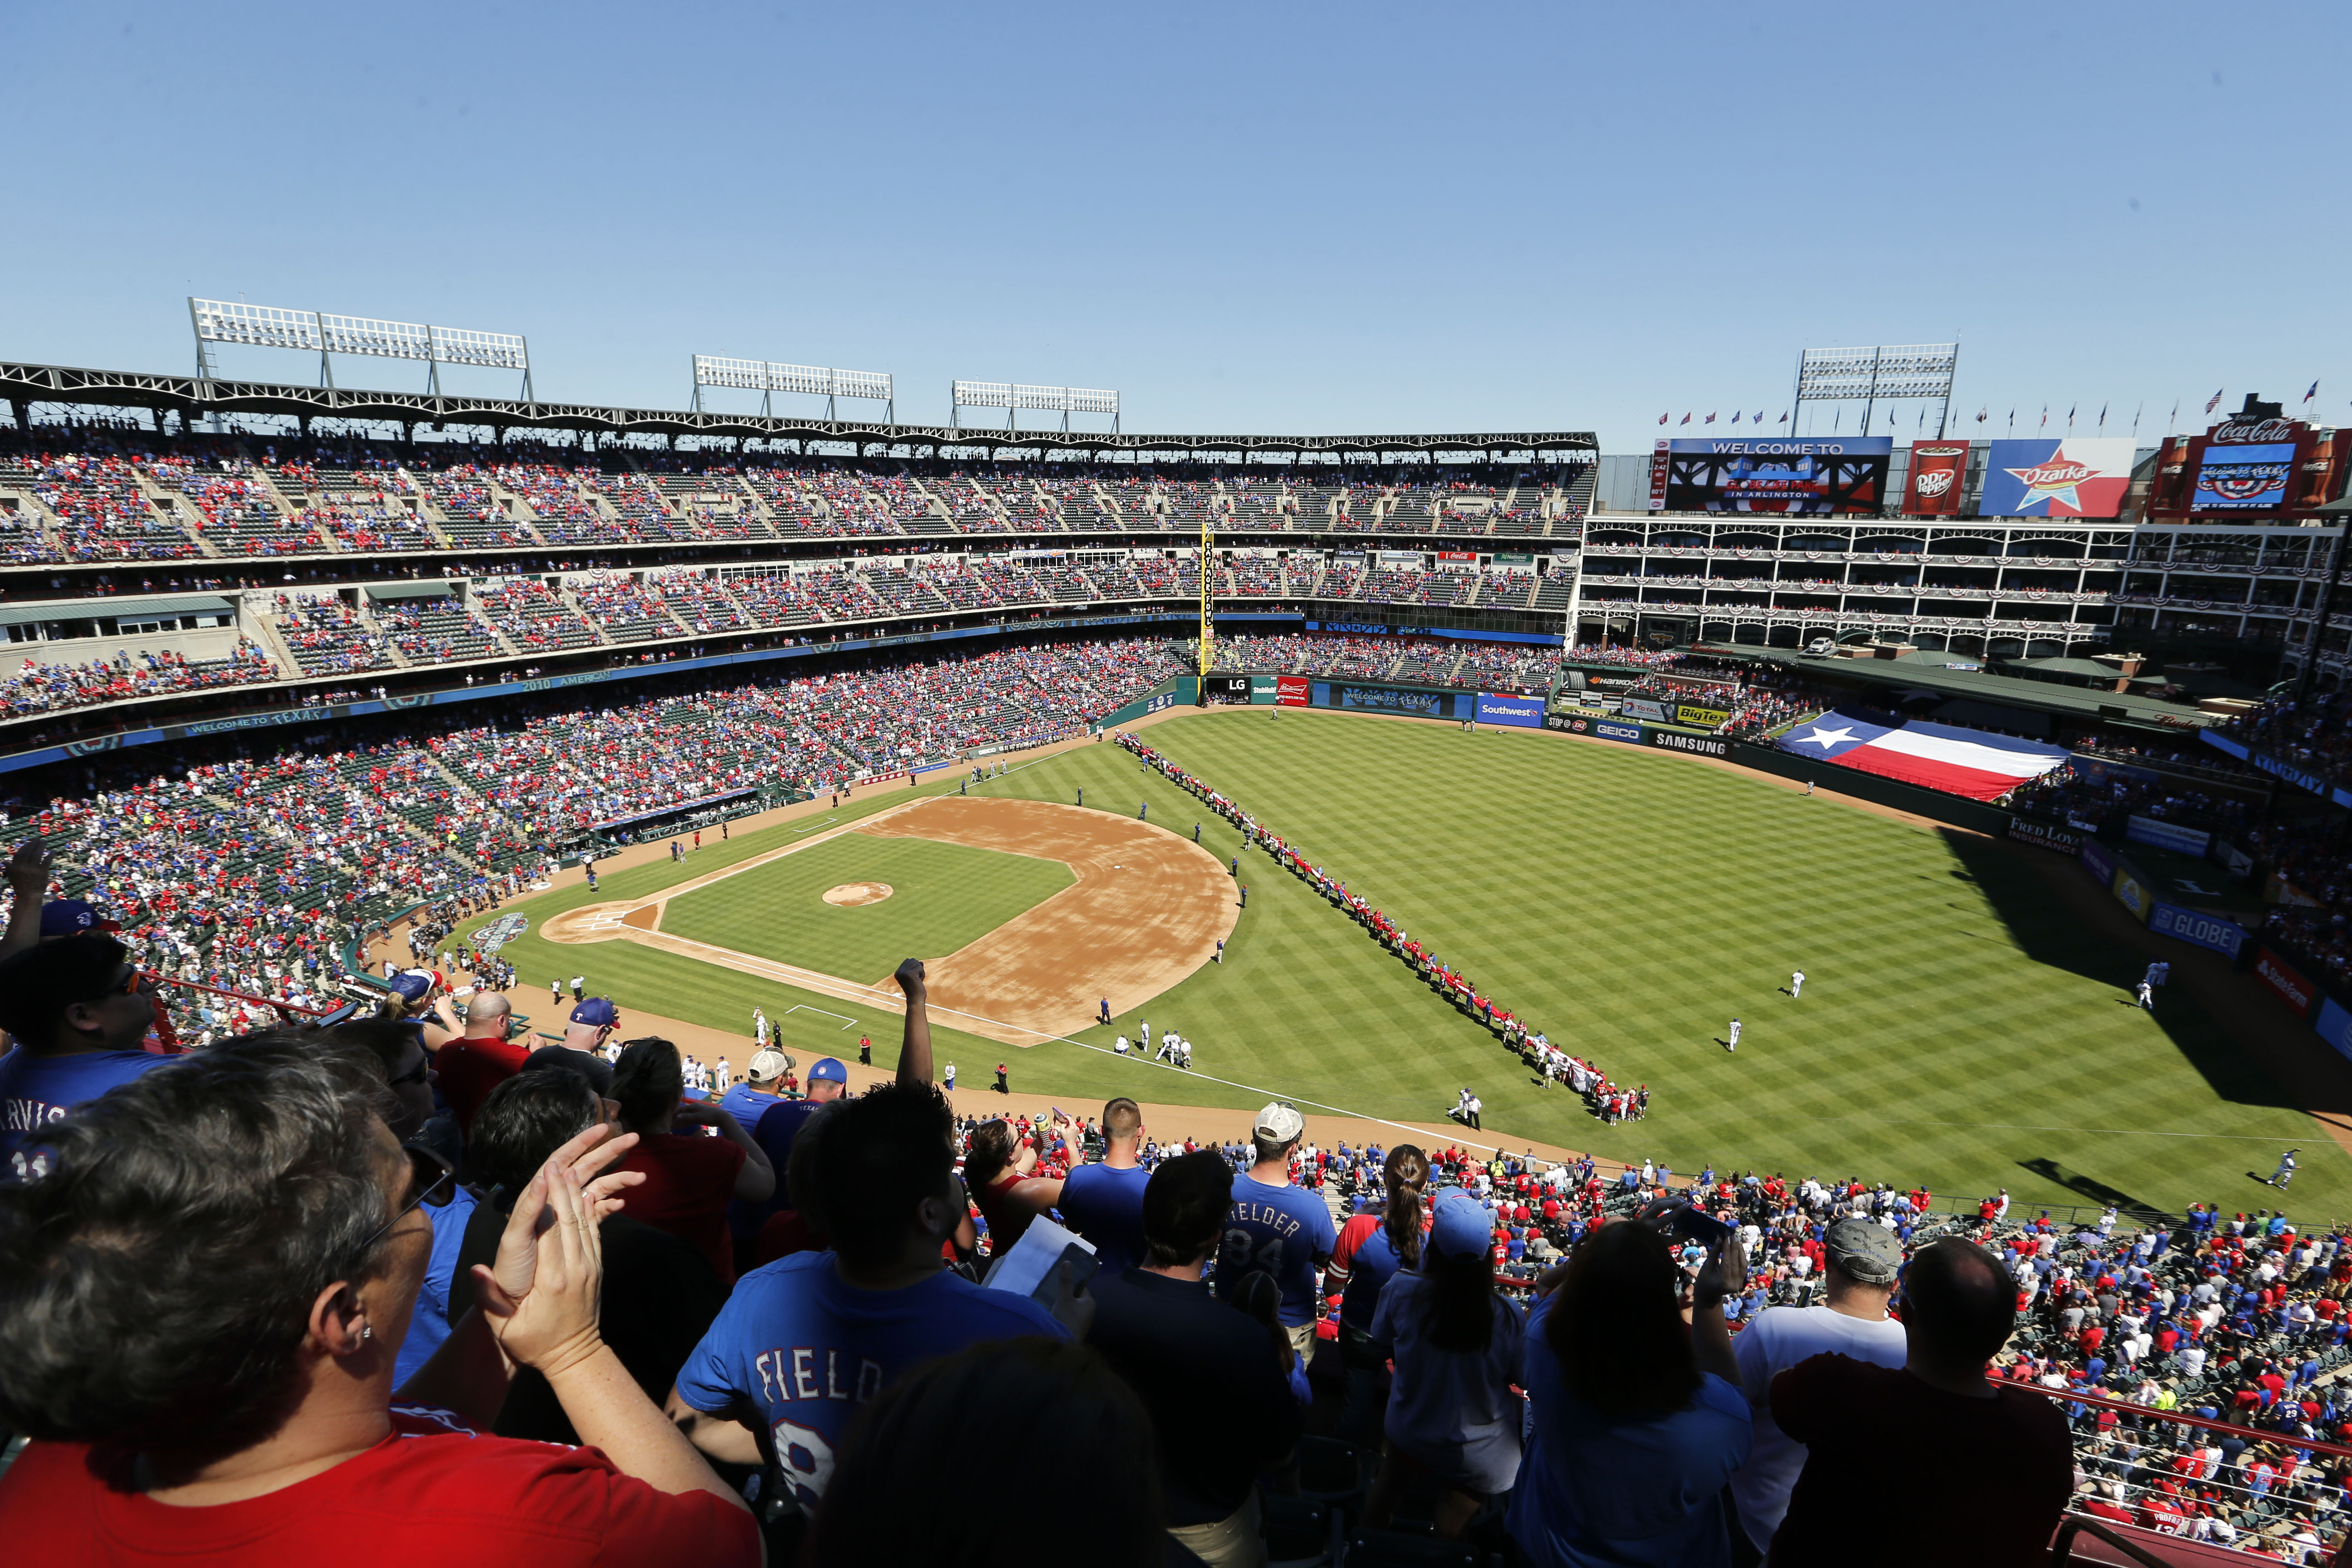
x,y
1146,909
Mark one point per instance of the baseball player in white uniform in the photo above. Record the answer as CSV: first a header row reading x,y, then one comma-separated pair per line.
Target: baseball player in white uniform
x,y
1796,984
1733,1042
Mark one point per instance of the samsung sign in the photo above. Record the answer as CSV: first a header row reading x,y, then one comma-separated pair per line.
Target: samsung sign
x,y
1698,745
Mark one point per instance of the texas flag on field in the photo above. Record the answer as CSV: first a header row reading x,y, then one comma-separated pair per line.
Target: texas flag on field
x,y
1973,762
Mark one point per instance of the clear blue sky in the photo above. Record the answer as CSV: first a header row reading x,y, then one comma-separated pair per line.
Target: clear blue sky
x,y
1357,218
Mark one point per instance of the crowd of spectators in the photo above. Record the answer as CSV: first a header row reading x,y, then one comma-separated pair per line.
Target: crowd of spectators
x,y
327,636
2313,731
40,686
755,1315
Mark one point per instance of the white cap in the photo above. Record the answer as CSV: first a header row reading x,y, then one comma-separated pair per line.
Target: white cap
x,y
766,1065
1280,1121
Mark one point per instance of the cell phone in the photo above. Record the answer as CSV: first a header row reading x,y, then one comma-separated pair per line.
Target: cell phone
x,y
1687,1219
343,1015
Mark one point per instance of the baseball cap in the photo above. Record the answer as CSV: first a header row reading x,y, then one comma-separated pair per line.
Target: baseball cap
x,y
71,917
1865,1249
412,985
827,1069
1280,1121
1459,1226
596,1010
766,1065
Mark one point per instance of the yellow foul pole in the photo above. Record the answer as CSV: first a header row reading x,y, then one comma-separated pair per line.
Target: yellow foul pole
x,y
1208,625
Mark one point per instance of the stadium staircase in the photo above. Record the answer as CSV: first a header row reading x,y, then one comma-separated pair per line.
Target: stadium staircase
x,y
160,498
266,634
295,503
28,522
1568,516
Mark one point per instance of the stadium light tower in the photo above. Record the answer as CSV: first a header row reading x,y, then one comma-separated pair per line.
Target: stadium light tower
x,y
1012,396
767,378
1870,375
276,327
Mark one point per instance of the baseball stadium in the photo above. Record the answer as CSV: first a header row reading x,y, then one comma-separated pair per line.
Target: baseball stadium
x,y
632,970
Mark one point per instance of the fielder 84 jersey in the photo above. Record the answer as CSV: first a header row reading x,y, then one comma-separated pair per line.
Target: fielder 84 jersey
x,y
804,1349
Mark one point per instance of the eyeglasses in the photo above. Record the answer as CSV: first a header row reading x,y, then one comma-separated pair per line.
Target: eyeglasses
x,y
132,982
417,1074
428,1173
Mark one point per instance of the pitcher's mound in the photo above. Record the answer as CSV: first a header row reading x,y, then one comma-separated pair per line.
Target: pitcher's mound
x,y
854,893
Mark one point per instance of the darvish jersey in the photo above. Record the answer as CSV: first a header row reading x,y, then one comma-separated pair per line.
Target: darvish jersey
x,y
806,1350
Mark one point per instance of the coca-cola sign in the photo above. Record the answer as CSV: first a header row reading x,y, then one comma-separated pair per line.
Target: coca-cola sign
x,y
2254,431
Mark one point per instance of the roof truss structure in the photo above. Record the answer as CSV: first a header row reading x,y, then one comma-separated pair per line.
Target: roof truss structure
x,y
24,384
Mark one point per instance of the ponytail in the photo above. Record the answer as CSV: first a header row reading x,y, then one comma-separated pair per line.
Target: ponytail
x,y
1406,1173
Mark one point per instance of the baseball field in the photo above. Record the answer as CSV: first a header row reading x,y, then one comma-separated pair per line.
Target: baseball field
x,y
1961,1026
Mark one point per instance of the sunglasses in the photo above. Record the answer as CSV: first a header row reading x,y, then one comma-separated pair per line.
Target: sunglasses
x,y
132,982
428,1173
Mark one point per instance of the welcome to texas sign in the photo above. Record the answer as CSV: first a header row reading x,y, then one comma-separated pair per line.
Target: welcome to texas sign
x,y
2068,476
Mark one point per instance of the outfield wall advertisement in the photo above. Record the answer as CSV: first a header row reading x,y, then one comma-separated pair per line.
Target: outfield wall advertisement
x,y
2334,1025
1700,718
1384,699
2283,978
2133,894
2068,476
2099,861
2025,830
1648,708
1697,745
2170,835
1291,690
1778,474
2198,928
1494,708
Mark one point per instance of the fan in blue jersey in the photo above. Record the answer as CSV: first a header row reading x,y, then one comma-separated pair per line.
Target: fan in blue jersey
x,y
1277,1228
1104,1202
807,1340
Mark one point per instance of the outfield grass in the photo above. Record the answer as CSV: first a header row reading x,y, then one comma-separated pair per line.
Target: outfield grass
x,y
942,896
1957,1029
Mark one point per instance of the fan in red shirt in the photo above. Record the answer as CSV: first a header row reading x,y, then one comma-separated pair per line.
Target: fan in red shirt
x,y
467,1069
689,1179
209,1379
